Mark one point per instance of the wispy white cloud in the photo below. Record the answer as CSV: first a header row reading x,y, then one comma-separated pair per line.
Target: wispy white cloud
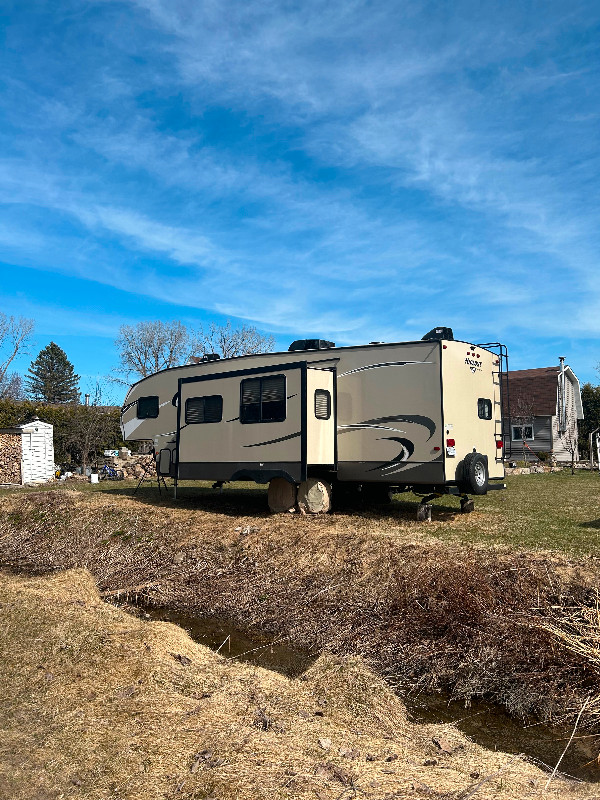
x,y
406,106
178,244
348,168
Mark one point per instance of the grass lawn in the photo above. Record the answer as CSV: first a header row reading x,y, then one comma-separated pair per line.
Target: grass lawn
x,y
553,511
550,511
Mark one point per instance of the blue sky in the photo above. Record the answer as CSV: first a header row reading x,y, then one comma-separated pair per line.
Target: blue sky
x,y
351,170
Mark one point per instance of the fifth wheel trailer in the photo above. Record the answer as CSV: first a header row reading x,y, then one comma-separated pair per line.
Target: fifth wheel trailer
x,y
423,415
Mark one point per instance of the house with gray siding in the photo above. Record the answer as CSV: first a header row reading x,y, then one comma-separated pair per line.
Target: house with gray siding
x,y
545,406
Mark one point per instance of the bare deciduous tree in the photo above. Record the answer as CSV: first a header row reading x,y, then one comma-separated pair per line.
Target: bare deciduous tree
x,y
569,438
228,341
91,429
149,347
11,387
15,338
522,418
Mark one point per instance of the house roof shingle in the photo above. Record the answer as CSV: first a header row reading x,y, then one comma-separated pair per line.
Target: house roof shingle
x,y
535,388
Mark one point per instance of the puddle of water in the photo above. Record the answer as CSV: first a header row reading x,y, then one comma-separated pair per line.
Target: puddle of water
x,y
488,725
234,642
485,723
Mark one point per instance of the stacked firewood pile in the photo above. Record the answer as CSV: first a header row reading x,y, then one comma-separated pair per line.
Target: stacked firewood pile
x,y
133,467
10,458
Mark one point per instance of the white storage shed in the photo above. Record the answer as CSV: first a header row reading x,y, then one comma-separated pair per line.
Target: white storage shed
x,y
27,453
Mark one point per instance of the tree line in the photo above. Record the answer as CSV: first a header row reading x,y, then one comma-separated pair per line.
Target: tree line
x,y
142,349
590,398
146,348
80,432
50,388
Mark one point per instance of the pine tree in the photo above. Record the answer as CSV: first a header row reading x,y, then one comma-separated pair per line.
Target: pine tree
x,y
51,378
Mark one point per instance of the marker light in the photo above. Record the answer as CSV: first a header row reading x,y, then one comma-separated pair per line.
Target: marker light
x,y
499,445
450,443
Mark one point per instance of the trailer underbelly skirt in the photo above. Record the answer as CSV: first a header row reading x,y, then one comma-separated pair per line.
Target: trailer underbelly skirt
x,y
234,471
427,472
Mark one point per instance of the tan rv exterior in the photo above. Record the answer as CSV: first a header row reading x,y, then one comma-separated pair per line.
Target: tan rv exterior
x,y
402,414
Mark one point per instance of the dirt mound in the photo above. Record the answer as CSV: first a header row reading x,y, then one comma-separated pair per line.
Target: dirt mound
x,y
99,704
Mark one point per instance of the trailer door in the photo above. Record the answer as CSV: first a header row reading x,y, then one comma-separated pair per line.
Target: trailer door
x,y
320,417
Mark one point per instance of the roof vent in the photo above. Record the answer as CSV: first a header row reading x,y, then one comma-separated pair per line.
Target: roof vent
x,y
437,334
210,357
310,344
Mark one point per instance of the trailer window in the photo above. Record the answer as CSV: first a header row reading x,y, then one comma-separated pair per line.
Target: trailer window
x,y
522,433
203,409
484,408
263,399
147,408
322,404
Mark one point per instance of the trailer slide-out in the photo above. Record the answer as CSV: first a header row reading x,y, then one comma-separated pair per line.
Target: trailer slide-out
x,y
322,421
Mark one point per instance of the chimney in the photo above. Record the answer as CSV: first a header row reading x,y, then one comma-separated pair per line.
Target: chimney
x,y
562,419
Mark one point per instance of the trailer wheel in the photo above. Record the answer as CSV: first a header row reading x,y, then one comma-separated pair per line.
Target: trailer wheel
x,y
476,473
314,496
281,495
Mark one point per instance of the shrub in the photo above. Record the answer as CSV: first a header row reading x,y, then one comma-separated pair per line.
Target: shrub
x,y
80,432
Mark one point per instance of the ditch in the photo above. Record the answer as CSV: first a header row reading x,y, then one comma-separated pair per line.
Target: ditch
x,y
487,724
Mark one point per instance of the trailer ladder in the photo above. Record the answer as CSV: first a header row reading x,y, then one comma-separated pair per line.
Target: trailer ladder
x,y
503,420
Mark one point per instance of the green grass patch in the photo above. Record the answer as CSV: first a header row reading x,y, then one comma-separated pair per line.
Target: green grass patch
x,y
549,511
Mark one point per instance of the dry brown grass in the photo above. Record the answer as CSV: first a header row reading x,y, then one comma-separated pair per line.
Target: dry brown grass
x,y
578,629
422,612
98,704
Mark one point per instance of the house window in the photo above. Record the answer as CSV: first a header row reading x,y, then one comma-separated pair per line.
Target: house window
x,y
484,408
147,408
203,409
263,399
322,404
522,433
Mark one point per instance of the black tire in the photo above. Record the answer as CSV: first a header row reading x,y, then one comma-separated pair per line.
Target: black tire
x,y
475,471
